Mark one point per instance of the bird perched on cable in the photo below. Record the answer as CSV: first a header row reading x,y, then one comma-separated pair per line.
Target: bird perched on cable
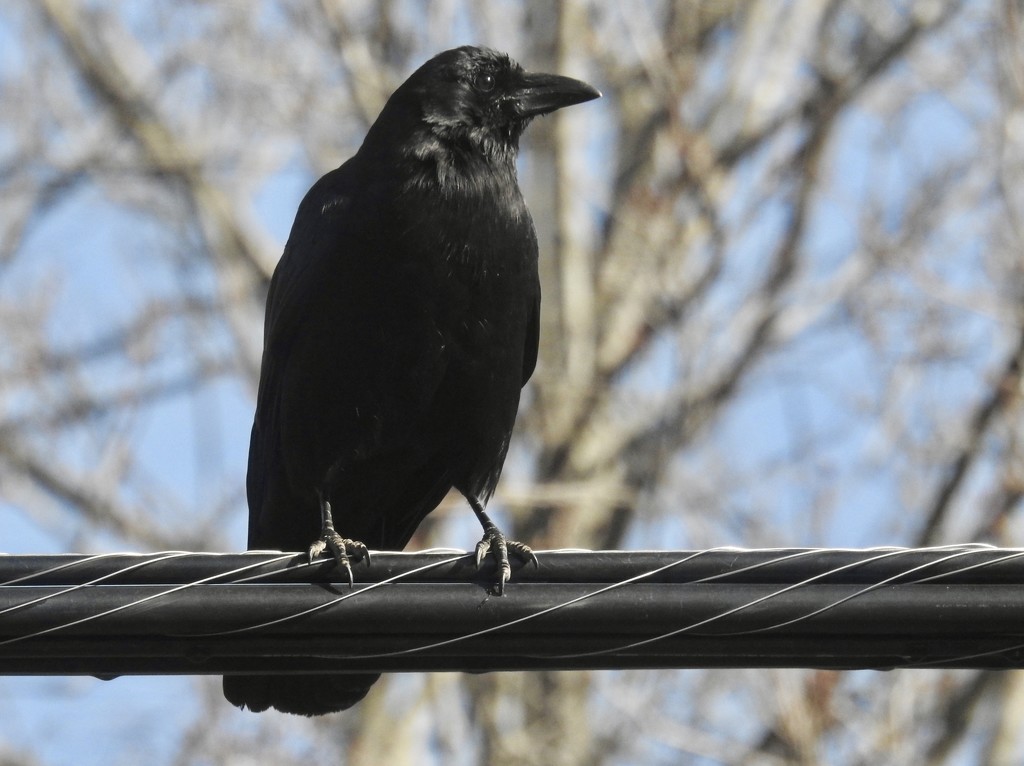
x,y
402,322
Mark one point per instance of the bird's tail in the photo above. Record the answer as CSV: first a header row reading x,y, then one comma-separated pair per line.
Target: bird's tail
x,y
314,694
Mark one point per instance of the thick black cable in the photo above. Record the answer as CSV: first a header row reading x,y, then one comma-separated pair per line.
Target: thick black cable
x,y
177,612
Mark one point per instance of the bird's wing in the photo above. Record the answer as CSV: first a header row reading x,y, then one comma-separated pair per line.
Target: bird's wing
x,y
313,244
351,363
318,235
532,338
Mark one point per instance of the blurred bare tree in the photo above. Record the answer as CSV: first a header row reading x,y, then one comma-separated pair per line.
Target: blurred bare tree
x,y
783,306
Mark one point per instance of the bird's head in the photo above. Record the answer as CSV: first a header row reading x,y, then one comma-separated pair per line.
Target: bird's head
x,y
478,100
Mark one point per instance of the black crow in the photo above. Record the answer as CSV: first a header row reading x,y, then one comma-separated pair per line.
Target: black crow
x,y
402,322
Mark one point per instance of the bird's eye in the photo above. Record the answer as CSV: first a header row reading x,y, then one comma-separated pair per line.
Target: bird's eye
x,y
484,82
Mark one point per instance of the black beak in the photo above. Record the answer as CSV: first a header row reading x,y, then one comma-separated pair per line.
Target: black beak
x,y
543,93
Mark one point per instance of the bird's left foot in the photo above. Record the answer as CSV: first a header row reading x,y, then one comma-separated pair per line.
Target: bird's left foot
x,y
495,543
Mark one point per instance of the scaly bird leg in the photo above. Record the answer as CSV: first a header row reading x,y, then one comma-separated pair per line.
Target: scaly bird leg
x,y
499,546
341,548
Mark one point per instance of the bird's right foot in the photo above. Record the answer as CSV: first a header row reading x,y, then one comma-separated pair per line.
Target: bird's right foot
x,y
342,550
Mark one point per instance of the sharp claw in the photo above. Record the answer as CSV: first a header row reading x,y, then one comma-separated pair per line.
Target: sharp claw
x,y
482,548
315,550
506,567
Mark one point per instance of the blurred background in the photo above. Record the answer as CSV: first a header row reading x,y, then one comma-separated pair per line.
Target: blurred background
x,y
783,275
